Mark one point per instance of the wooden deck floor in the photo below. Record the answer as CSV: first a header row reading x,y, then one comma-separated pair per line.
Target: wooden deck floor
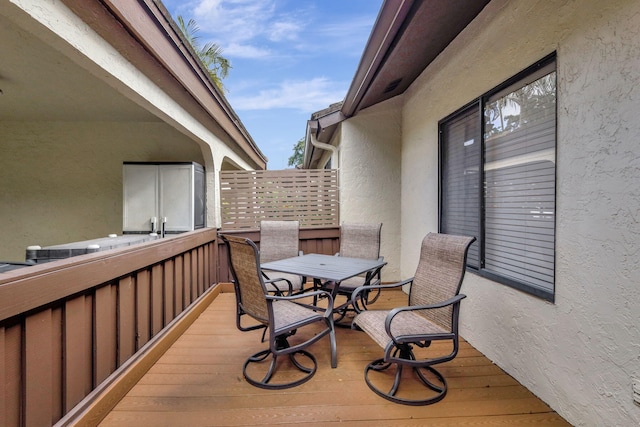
x,y
199,382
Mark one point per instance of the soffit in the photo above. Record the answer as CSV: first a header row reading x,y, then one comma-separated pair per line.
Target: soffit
x,y
39,84
428,28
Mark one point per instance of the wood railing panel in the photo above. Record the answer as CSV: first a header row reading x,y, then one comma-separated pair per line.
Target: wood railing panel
x,y
28,288
126,319
38,388
98,310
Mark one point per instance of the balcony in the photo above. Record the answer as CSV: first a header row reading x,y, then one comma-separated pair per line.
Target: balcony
x,y
146,336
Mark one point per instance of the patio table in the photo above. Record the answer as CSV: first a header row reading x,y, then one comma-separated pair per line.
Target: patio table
x,y
324,267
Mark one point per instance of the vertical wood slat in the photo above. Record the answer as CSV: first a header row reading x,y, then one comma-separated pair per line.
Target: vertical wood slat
x,y
126,319
56,363
169,290
206,256
156,303
200,269
77,363
3,378
195,276
105,332
143,315
179,280
38,369
11,387
186,271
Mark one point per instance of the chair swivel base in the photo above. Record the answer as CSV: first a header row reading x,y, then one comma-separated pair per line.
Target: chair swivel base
x,y
265,382
439,387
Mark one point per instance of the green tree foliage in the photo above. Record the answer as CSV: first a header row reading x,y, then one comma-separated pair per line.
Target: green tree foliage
x,y
297,157
210,54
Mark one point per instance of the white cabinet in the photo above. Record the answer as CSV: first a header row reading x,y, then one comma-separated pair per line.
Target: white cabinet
x,y
163,197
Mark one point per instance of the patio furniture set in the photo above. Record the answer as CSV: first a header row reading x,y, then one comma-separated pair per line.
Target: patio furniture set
x,y
271,294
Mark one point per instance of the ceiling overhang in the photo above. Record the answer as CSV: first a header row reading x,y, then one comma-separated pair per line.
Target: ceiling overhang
x,y
45,77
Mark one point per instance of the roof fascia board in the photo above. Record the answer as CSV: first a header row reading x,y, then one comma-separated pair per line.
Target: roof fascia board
x,y
389,22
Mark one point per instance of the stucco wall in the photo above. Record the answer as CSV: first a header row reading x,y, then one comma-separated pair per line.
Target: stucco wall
x,y
370,176
62,182
580,353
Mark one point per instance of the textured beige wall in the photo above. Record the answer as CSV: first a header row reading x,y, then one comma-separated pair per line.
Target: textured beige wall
x,y
62,182
370,176
580,353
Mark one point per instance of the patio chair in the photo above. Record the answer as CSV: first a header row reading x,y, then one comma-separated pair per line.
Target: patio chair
x,y
358,240
431,314
280,240
283,316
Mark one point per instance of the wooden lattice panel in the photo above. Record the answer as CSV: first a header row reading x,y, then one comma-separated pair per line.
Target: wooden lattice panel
x,y
309,196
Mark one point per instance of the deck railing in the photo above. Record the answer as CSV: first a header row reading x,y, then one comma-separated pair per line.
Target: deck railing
x,y
320,240
70,328
66,326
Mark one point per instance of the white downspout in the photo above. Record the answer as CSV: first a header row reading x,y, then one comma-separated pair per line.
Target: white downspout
x,y
323,146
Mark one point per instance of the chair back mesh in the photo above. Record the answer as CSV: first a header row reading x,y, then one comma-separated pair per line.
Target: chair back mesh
x,y
439,274
360,240
250,289
278,240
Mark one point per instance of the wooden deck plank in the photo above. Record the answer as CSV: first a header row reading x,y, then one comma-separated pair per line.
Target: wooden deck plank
x,y
199,382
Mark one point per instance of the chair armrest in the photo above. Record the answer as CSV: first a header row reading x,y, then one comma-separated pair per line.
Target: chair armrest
x,y
393,313
364,288
279,279
327,295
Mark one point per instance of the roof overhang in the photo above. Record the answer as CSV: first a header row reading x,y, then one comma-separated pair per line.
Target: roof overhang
x,y
70,86
406,37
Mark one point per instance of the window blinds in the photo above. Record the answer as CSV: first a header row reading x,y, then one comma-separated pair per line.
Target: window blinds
x,y
460,164
519,185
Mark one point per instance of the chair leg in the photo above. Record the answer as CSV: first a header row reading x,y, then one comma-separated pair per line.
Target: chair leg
x,y
262,356
439,387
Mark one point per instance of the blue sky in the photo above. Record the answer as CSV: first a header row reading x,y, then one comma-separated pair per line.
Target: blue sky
x,y
289,59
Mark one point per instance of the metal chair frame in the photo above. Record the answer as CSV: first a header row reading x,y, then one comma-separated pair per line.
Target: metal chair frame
x,y
396,330
281,316
357,240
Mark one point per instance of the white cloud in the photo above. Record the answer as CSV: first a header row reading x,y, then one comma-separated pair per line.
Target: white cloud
x,y
240,26
307,96
245,51
280,31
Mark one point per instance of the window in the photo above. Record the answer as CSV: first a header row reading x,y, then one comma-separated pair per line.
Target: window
x,y
497,180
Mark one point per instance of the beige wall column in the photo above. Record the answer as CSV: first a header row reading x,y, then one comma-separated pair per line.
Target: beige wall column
x,y
370,176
